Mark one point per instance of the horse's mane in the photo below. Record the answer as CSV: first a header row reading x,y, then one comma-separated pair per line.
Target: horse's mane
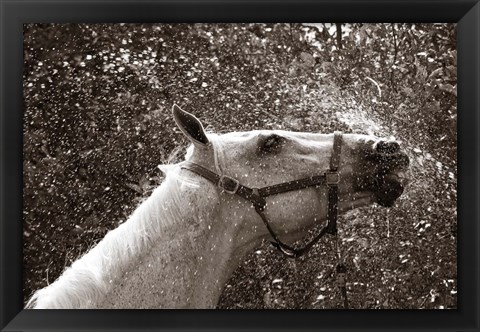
x,y
88,279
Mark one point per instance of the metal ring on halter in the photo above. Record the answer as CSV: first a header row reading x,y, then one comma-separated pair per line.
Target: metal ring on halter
x,y
228,184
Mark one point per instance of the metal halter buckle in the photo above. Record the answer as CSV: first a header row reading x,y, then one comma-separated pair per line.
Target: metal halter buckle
x,y
332,178
228,184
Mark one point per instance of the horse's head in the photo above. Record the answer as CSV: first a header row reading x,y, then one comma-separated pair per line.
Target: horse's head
x,y
371,170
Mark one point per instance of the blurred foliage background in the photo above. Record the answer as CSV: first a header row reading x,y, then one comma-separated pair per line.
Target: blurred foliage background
x,y
97,123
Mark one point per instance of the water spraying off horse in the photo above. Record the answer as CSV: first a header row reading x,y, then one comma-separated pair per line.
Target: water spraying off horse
x,y
180,246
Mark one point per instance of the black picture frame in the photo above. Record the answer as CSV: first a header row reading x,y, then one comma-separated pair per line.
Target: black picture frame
x,y
466,13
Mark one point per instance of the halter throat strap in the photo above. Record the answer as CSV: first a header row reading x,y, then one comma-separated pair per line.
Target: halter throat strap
x,y
256,196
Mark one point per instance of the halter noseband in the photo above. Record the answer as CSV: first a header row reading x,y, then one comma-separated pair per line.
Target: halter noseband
x,y
256,196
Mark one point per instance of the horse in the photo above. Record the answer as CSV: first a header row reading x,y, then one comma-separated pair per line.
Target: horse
x,y
181,245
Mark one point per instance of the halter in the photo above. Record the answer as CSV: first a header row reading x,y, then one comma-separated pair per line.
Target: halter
x,y
256,196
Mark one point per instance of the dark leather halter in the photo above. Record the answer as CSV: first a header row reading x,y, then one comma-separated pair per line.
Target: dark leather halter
x,y
330,178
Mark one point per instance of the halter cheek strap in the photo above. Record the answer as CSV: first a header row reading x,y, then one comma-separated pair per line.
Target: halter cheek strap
x,y
256,196
333,178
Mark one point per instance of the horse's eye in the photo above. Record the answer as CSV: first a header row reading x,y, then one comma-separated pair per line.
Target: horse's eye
x,y
271,144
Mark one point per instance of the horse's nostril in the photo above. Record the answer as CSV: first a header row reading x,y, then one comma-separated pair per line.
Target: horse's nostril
x,y
387,147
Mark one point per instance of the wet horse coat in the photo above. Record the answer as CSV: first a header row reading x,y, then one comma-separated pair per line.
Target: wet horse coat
x,y
181,245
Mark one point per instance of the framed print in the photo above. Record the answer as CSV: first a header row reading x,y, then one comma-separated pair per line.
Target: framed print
x,y
215,157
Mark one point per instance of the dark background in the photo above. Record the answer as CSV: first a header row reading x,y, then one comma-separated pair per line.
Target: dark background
x,y
97,122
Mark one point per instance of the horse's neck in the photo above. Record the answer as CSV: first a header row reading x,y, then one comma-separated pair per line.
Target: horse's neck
x,y
177,250
186,265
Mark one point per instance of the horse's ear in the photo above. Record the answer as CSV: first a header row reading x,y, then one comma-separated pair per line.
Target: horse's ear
x,y
190,126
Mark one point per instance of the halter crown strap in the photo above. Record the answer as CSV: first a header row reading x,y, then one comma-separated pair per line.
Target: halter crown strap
x,y
257,195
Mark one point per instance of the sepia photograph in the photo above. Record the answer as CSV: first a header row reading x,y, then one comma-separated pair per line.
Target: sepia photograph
x,y
240,166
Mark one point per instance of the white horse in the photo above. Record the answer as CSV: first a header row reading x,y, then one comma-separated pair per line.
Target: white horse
x,y
181,245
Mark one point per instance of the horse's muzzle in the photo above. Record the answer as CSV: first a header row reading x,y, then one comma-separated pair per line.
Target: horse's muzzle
x,y
390,187
391,177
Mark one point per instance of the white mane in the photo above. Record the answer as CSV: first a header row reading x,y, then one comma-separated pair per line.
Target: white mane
x,y
90,278
86,282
